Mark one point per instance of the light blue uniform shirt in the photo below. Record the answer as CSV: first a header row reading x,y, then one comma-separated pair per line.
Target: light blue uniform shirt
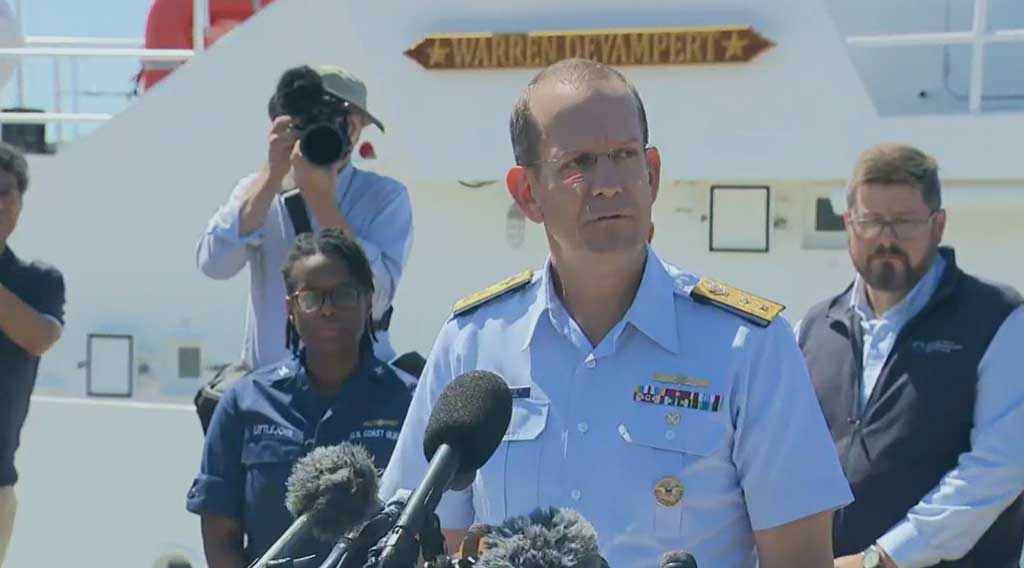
x,y
951,518
754,454
879,331
377,207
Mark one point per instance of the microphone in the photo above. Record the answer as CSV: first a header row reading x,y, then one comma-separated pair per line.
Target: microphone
x,y
351,551
678,560
329,492
465,427
550,537
336,487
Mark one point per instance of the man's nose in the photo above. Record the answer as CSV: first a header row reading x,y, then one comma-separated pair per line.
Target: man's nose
x,y
606,178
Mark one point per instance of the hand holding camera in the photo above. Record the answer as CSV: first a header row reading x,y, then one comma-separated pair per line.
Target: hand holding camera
x,y
282,140
320,127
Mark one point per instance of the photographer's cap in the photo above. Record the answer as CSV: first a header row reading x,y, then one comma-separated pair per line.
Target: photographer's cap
x,y
346,86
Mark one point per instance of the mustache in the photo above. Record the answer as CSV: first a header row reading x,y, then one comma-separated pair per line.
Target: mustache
x,y
889,251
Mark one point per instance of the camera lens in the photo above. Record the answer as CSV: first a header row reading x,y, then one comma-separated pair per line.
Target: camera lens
x,y
323,144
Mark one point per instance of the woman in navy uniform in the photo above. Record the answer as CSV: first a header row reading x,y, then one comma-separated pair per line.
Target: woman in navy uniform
x,y
332,390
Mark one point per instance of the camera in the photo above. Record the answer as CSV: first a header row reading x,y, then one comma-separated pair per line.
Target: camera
x,y
318,116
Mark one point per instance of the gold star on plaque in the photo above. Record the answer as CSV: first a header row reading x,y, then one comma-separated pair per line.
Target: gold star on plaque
x,y
438,54
734,46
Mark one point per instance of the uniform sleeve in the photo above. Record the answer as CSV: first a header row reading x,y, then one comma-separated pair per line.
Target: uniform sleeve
x,y
219,488
222,250
783,451
950,519
387,243
52,296
408,464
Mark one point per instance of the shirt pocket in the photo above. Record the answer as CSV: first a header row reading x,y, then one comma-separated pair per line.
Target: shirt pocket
x,y
267,465
509,483
668,465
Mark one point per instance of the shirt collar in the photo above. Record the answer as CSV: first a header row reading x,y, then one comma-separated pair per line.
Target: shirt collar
x,y
291,374
910,304
652,311
345,179
542,302
7,259
654,308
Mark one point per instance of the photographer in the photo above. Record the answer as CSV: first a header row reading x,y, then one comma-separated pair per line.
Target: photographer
x,y
318,115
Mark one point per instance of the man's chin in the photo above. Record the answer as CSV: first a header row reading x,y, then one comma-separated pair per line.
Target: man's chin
x,y
613,246
886,285
613,241
889,279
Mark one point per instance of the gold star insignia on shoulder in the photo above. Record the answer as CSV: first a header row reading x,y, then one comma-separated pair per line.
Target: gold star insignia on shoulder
x,y
744,304
491,292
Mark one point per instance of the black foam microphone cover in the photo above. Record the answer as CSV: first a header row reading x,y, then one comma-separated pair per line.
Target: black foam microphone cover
x,y
471,415
678,560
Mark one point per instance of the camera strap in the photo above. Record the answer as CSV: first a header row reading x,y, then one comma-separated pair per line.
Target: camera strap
x,y
296,207
297,212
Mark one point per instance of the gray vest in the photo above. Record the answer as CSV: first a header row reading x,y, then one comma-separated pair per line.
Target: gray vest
x,y
919,416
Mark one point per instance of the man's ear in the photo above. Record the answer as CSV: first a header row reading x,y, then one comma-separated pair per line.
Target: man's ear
x,y
848,224
653,170
519,187
939,224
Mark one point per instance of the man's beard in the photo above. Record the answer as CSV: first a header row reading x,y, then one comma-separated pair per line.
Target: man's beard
x,y
893,274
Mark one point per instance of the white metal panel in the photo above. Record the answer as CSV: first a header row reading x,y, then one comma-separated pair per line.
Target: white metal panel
x,y
739,219
110,365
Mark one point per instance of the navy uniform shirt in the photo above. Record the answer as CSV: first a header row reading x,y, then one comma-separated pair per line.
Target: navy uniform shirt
x,y
273,417
42,287
686,428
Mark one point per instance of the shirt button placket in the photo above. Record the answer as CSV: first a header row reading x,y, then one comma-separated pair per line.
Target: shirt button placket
x,y
582,426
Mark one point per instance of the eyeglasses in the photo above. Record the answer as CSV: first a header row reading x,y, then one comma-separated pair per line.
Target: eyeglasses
x,y
580,168
342,298
902,229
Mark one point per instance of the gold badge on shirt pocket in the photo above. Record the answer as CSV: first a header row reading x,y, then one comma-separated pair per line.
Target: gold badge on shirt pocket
x,y
669,491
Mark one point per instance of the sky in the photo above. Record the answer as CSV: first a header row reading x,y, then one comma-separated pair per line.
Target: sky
x,y
102,83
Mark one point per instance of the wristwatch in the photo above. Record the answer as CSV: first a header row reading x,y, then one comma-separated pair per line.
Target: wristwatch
x,y
872,557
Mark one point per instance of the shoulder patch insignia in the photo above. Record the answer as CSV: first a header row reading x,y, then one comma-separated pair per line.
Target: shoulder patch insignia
x,y
742,303
493,291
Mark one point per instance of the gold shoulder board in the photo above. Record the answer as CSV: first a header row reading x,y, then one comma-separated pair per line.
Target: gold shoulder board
x,y
491,292
744,304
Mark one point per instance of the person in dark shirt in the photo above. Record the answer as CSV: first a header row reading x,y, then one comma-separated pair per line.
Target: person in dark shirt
x,y
333,390
31,321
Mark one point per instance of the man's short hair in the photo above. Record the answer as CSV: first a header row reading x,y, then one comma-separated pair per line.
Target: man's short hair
x,y
12,161
575,72
897,164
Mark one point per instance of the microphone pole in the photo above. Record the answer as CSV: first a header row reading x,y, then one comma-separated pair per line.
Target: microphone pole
x,y
300,525
400,548
352,549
